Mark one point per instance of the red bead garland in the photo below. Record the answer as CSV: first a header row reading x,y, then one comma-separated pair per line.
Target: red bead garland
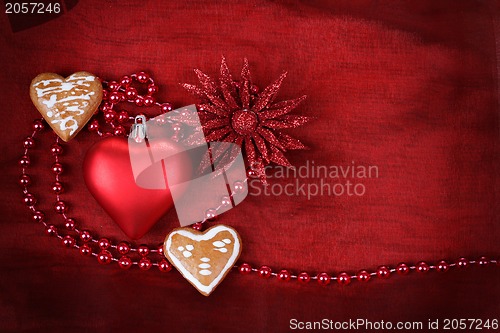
x,y
323,279
304,277
363,276
402,269
383,272
344,278
284,275
102,248
125,262
245,268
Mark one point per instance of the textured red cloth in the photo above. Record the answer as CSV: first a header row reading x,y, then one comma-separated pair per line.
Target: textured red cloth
x,y
407,86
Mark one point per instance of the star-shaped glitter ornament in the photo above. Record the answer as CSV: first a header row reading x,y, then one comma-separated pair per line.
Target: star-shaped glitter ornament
x,y
235,111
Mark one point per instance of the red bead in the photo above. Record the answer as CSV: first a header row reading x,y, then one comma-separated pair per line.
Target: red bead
x,y
148,101
24,161
245,268
483,261
119,130
60,207
29,199
363,276
265,272
85,250
38,125
159,249
38,216
106,106
225,201
51,230
104,243
197,226
105,94
166,107
324,279
144,264
164,266
115,97
123,117
343,279
24,180
57,168
176,127
56,149
383,272
131,93
238,187
442,266
123,248
303,277
125,262
70,224
104,257
422,267
142,77
210,213
28,142
109,116
113,85
252,173
68,241
152,89
462,263
126,81
143,250
57,188
283,275
94,125
139,101
85,236
160,120
402,269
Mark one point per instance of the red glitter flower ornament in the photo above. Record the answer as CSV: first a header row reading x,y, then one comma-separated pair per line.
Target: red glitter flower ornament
x,y
235,111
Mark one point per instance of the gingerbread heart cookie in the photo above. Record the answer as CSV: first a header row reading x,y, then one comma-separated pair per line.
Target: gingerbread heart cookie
x,y
67,104
203,258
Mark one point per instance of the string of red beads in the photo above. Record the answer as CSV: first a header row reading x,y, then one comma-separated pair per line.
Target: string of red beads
x,y
127,255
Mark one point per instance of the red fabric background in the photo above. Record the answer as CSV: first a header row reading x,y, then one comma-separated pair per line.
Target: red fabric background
x,y
408,86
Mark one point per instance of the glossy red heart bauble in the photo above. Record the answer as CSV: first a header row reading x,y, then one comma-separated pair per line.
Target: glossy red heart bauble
x,y
108,175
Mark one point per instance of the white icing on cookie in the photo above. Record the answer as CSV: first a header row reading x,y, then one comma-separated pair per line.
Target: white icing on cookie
x,y
64,124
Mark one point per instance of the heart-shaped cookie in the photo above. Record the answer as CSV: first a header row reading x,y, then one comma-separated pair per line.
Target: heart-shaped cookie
x,y
67,104
203,258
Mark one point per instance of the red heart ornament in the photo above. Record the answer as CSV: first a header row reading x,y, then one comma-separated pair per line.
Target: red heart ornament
x,y
108,175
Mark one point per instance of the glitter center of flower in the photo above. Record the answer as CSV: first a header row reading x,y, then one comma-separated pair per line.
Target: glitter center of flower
x,y
244,122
